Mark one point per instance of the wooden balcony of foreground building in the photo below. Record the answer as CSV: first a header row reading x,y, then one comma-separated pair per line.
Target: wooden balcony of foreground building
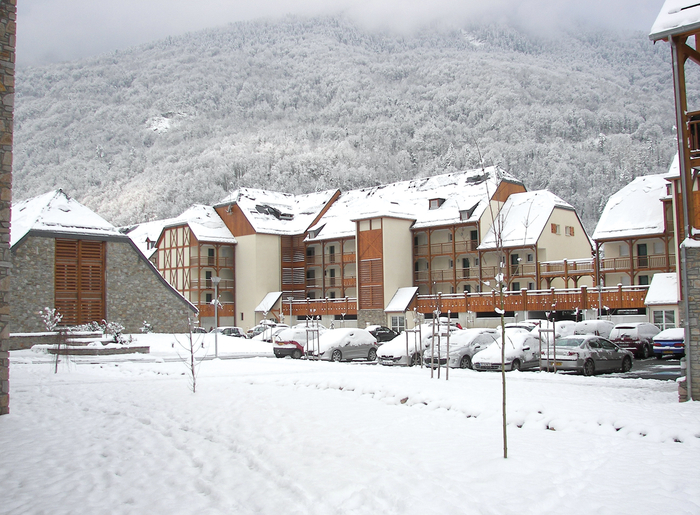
x,y
620,297
227,309
445,248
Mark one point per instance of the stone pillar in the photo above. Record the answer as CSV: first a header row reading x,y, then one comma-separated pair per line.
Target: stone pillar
x,y
8,29
693,360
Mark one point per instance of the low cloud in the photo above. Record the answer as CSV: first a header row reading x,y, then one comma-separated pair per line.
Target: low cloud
x,y
59,30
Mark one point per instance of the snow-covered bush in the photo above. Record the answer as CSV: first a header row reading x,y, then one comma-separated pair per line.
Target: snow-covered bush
x,y
51,318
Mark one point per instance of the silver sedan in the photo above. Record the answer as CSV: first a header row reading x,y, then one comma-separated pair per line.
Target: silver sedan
x,y
588,354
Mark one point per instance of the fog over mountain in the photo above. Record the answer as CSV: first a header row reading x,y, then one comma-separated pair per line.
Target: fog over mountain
x,y
302,104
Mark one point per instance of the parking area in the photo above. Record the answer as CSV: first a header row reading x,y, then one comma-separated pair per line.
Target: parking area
x,y
663,369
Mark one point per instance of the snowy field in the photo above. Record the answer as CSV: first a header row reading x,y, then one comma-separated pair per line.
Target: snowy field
x,y
278,436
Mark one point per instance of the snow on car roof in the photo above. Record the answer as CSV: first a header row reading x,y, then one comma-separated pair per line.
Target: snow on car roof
x,y
634,210
675,333
55,211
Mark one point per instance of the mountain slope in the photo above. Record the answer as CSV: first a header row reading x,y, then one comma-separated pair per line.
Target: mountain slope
x,y
305,104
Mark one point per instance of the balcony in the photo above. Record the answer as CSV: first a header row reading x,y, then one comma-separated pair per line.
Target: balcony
x,y
227,309
622,264
208,284
620,297
568,268
437,249
210,261
314,307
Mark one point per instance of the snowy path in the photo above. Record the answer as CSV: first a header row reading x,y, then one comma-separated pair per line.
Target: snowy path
x,y
293,437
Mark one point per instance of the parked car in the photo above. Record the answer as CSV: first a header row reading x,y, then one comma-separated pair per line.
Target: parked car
x,y
670,342
597,327
522,351
588,354
562,328
198,330
268,335
636,337
347,344
529,324
463,345
381,333
295,341
394,351
229,331
265,325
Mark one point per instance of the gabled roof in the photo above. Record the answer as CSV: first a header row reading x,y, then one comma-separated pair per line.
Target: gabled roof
x,y
663,290
205,223
635,210
56,212
272,212
402,299
522,219
464,197
676,17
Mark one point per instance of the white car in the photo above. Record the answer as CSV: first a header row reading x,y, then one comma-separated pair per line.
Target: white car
x,y
596,327
347,344
394,352
522,351
296,341
464,345
562,328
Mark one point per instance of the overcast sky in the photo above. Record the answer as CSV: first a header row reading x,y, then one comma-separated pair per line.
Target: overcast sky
x,y
60,30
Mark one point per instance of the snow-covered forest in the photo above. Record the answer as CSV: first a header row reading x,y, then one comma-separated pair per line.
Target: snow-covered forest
x,y
304,104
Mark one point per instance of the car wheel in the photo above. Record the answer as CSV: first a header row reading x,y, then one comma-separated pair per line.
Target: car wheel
x,y
515,365
415,360
626,364
372,356
336,355
588,368
296,354
465,362
643,352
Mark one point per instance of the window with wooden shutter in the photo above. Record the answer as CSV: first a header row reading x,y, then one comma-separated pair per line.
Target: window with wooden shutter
x,y
79,284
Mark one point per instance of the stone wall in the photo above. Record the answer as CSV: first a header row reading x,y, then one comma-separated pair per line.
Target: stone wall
x,y
32,283
367,317
136,293
693,360
8,29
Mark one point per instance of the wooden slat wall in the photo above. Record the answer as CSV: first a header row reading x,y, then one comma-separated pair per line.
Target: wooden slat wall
x,y
370,274
79,280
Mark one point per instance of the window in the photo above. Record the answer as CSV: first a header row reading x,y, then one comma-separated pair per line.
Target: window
x,y
658,247
310,251
449,236
530,286
644,280
436,203
208,297
452,264
331,295
664,319
474,236
467,288
398,323
516,286
556,229
568,230
311,274
530,258
624,250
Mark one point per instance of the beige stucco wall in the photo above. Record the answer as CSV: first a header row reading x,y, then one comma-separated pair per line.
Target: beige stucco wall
x,y
398,256
258,272
556,247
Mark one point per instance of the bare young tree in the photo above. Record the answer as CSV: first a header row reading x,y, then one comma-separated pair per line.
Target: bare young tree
x,y
190,347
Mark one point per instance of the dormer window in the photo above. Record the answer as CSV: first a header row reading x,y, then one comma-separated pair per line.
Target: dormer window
x,y
436,203
466,214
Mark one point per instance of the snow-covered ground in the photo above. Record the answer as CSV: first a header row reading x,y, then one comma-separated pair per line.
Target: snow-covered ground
x,y
280,436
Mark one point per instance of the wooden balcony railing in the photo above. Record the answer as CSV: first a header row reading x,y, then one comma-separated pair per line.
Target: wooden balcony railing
x,y
437,249
620,297
314,307
227,309
208,284
220,262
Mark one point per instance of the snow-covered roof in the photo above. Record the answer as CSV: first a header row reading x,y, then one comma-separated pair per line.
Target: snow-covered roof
x,y
663,289
676,17
635,210
401,300
268,302
523,218
674,171
272,212
205,223
462,197
56,212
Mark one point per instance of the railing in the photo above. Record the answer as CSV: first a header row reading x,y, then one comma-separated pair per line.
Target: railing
x,y
208,284
313,307
620,297
227,309
568,268
639,262
693,120
435,249
221,262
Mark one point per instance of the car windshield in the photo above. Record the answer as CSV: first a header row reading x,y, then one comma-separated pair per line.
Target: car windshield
x,y
569,342
625,332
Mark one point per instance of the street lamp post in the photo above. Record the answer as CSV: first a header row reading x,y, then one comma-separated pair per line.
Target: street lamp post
x,y
216,280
